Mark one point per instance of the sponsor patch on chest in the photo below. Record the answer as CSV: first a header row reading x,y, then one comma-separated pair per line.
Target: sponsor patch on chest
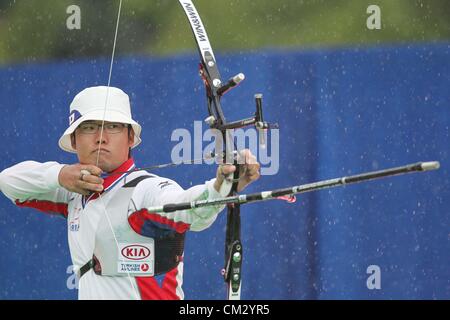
x,y
74,224
136,258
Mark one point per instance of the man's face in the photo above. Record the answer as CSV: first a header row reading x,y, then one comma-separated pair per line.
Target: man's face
x,y
113,143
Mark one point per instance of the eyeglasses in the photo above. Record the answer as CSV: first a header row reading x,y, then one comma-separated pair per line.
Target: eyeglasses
x,y
93,127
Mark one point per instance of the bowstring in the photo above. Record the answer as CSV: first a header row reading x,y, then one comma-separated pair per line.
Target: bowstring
x,y
100,144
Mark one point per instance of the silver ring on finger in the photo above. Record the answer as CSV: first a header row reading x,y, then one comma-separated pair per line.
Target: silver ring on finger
x,y
83,173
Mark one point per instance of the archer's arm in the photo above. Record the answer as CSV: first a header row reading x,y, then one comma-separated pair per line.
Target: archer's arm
x,y
159,191
33,184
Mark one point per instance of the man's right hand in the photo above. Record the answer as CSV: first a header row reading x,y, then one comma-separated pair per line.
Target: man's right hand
x,y
75,178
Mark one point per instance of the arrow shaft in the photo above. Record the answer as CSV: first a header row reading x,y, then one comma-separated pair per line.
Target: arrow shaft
x,y
314,186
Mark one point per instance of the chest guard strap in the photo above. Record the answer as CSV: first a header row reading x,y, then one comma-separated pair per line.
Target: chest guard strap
x,y
168,249
169,253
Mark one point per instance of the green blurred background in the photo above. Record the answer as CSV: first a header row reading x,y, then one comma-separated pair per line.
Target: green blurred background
x,y
35,30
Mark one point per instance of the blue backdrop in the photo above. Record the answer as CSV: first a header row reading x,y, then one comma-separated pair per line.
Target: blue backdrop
x,y
340,111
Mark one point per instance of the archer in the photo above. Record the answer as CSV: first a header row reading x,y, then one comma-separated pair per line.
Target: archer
x,y
119,249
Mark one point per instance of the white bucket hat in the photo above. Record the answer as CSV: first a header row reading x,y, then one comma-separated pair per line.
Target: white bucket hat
x,y
90,103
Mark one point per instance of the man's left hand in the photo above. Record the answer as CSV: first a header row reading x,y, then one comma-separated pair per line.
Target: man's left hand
x,y
248,171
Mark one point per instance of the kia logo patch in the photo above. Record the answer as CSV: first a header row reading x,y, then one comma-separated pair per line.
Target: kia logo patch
x,y
135,252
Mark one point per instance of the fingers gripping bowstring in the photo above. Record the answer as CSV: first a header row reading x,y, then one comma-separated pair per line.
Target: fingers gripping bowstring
x,y
100,144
